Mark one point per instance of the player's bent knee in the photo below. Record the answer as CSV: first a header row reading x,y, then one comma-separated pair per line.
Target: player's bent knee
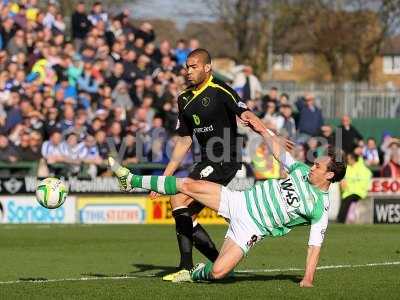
x,y
180,200
219,272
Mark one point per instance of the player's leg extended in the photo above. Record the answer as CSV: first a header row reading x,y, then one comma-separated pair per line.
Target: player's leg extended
x,y
207,193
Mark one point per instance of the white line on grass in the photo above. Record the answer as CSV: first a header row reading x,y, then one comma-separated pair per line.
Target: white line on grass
x,y
68,279
389,263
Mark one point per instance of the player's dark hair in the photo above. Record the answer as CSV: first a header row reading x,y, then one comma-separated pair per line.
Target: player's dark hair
x,y
203,54
337,164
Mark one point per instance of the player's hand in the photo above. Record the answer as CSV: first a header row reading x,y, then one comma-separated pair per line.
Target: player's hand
x,y
154,195
288,144
306,284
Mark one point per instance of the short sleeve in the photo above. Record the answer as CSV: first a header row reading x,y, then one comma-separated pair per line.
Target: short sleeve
x,y
318,228
233,102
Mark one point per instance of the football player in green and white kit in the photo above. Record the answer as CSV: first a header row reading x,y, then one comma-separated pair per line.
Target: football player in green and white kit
x,y
271,208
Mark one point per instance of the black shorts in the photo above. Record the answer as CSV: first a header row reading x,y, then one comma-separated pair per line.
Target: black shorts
x,y
221,173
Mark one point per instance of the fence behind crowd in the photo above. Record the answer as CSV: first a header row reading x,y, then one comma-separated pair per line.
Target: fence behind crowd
x,y
354,99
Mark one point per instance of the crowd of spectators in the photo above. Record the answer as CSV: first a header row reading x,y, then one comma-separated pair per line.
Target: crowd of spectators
x,y
64,99
71,97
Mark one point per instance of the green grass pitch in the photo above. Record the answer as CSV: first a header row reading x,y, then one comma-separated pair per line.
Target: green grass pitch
x,y
66,254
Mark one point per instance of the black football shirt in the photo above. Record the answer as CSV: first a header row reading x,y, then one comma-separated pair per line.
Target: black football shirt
x,y
210,114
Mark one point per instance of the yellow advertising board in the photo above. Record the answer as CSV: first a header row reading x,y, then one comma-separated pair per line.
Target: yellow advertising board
x,y
112,209
159,211
133,209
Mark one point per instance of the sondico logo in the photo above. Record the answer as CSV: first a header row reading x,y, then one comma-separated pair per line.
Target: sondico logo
x,y
196,120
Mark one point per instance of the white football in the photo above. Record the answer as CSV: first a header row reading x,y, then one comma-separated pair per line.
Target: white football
x,y
51,192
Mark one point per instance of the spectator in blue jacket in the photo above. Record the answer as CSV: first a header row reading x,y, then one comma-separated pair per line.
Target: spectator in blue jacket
x,y
310,118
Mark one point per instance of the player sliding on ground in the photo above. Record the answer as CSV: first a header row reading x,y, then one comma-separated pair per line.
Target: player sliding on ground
x,y
271,208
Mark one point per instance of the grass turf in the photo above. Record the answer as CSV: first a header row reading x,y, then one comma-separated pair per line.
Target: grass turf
x,y
39,252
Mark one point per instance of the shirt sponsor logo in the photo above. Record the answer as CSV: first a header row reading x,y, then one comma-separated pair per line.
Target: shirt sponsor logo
x,y
206,171
288,192
196,120
203,129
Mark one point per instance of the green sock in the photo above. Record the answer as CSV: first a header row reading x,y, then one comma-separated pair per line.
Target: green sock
x,y
161,184
203,273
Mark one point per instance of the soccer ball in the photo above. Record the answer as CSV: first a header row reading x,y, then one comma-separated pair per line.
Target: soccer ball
x,y
51,193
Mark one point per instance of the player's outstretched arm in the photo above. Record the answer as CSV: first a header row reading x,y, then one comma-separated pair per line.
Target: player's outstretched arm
x,y
279,146
311,266
276,142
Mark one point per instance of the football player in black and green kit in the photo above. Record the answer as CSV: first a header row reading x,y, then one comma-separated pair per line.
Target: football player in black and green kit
x,y
208,109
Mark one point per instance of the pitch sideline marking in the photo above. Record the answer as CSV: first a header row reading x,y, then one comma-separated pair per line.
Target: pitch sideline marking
x,y
393,263
69,279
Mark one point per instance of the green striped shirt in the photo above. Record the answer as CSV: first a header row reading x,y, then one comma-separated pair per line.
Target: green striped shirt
x,y
277,205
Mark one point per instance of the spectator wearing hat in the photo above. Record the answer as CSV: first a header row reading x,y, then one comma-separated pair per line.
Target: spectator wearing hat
x,y
247,84
387,140
392,167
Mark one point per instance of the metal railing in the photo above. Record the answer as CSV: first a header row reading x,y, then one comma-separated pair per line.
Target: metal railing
x,y
356,99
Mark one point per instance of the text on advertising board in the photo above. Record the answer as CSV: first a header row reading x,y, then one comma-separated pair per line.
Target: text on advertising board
x,y
387,211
